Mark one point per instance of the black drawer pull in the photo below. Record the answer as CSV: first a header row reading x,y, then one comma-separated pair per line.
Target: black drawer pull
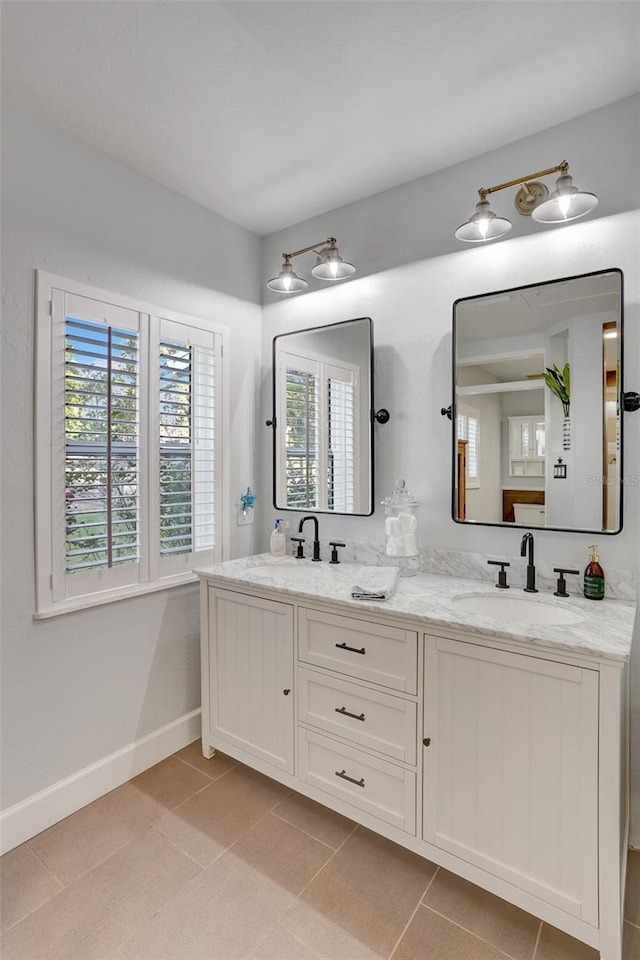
x,y
343,646
345,713
358,783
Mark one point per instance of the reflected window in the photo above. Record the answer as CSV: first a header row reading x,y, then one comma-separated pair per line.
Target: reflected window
x,y
321,433
468,424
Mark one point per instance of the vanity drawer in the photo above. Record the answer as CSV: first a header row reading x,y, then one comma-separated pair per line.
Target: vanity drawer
x,y
367,717
375,786
359,648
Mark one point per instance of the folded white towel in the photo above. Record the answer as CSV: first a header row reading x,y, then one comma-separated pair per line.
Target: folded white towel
x,y
392,527
405,545
375,583
407,523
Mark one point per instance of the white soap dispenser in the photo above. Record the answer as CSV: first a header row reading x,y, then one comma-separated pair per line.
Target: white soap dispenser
x,y
278,540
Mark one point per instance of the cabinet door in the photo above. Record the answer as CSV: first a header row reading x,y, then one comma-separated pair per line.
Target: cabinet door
x,y
520,438
251,667
540,438
511,773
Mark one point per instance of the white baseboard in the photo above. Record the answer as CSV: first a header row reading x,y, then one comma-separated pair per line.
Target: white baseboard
x,y
29,817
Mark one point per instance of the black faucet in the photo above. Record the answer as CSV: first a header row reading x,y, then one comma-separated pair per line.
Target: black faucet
x,y
316,535
531,570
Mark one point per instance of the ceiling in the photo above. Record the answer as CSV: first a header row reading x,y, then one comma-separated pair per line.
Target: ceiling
x,y
538,309
273,112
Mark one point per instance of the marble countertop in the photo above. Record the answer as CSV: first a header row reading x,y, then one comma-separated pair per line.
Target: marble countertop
x,y
605,632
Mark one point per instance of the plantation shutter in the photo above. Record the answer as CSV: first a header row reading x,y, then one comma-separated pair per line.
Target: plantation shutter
x,y
302,425
473,448
468,428
185,408
342,438
128,430
96,483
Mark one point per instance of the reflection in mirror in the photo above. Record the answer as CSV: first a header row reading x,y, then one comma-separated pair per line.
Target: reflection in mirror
x,y
537,387
323,431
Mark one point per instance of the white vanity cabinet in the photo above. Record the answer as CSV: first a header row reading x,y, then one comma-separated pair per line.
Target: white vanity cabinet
x,y
247,676
511,777
503,761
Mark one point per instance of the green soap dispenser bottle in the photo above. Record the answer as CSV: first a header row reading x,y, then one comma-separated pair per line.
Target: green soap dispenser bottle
x,y
594,576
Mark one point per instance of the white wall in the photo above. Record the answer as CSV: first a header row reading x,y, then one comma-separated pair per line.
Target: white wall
x,y
81,686
411,311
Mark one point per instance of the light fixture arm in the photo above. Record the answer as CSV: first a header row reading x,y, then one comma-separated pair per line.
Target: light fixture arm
x,y
560,168
316,247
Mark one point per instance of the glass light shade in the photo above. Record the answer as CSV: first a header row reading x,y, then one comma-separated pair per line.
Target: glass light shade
x,y
483,225
565,203
333,269
331,266
287,281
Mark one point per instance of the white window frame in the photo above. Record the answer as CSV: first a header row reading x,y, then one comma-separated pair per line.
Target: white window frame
x,y
152,575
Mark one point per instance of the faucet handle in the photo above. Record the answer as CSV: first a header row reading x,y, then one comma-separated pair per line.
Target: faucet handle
x,y
561,586
502,576
334,544
299,549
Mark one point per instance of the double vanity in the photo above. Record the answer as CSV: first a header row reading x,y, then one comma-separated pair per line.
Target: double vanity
x,y
483,729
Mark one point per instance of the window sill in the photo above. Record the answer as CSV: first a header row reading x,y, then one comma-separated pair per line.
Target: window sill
x,y
111,596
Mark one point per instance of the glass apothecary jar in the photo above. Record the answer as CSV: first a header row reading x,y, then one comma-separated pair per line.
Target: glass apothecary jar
x,y
401,526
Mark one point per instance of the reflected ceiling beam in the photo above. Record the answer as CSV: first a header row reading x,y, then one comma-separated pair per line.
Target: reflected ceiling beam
x,y
510,387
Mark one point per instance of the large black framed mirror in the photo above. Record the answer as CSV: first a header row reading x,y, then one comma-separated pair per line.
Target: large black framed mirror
x,y
537,405
323,419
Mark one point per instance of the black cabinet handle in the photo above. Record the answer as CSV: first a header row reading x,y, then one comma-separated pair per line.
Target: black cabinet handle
x,y
344,776
345,713
286,691
343,646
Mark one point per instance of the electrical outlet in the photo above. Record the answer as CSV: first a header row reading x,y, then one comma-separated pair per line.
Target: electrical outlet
x,y
244,516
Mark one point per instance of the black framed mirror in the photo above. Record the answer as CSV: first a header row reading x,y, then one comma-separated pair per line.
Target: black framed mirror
x,y
323,419
537,405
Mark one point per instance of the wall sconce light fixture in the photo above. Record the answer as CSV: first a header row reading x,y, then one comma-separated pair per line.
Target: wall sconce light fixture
x,y
532,200
329,266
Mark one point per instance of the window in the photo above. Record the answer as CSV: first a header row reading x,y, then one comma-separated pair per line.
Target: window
x,y
128,426
468,428
321,436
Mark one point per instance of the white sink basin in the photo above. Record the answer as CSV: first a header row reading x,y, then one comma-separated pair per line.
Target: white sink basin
x,y
518,610
285,569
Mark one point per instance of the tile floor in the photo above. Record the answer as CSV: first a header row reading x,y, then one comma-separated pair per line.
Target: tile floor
x,y
207,860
